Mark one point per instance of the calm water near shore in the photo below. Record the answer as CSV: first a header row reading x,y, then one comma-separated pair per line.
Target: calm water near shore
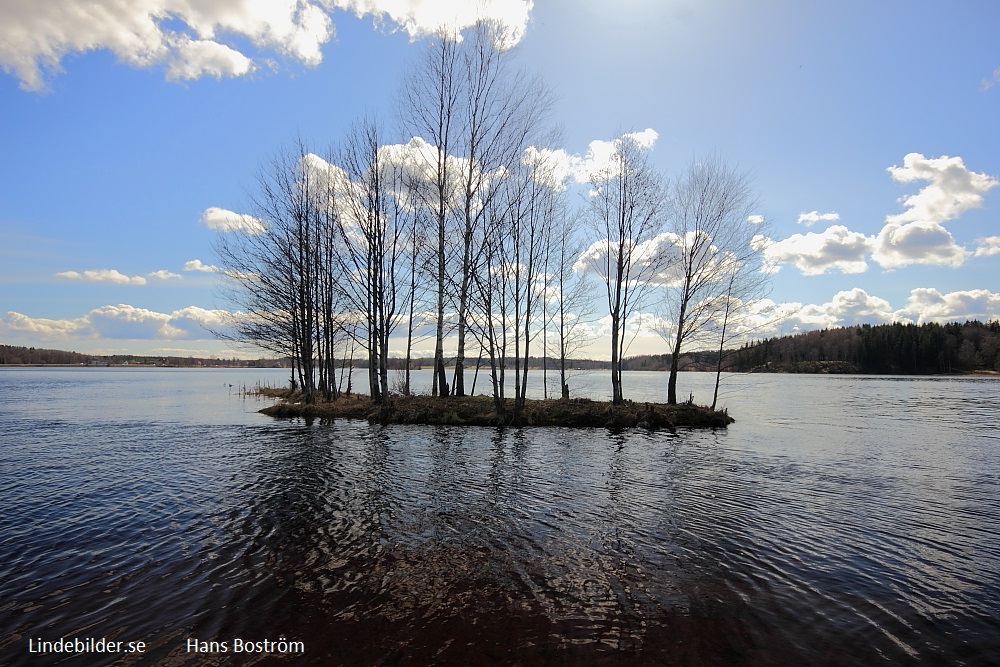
x,y
840,521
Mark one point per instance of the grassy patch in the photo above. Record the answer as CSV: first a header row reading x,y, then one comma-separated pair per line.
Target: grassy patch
x,y
481,411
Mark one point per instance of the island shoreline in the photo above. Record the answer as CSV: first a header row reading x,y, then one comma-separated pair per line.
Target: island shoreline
x,y
481,411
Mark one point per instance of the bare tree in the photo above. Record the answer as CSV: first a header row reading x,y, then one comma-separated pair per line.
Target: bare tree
x,y
716,260
569,292
493,295
625,208
501,108
373,222
477,111
430,96
271,265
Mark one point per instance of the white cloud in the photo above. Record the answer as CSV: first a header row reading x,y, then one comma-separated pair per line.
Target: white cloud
x,y
926,304
197,265
846,308
163,274
121,321
193,322
417,161
223,220
419,18
599,160
203,57
923,242
562,166
856,306
755,219
189,37
835,249
102,275
988,246
195,38
652,261
917,235
553,168
637,325
952,188
41,328
811,218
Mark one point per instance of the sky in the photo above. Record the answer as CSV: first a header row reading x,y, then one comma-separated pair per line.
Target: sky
x,y
130,128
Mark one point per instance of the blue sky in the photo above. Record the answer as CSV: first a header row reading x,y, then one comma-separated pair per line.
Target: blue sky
x,y
872,130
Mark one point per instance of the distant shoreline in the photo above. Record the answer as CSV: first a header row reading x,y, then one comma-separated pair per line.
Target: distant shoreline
x,y
759,371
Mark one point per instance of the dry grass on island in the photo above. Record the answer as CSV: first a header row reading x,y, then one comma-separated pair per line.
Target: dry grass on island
x,y
480,411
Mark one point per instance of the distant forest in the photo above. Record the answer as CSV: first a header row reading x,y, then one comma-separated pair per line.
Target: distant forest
x,y
903,349
890,349
34,356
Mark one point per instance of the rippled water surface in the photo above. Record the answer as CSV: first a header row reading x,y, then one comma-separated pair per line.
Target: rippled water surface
x,y
839,521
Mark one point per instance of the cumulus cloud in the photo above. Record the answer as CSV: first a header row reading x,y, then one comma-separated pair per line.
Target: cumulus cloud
x,y
196,58
417,162
41,328
638,324
926,304
845,308
421,17
198,265
196,38
856,306
988,246
811,218
755,219
163,274
835,249
599,159
553,168
923,242
223,220
917,235
102,275
562,166
654,261
122,321
952,188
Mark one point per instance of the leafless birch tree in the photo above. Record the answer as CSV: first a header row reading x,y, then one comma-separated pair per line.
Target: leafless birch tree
x,y
272,267
373,227
716,262
626,209
477,111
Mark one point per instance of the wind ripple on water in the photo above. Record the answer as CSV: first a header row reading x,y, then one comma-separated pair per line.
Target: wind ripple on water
x,y
418,545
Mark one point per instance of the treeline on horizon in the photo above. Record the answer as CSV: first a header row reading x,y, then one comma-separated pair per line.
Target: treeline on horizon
x,y
882,349
36,356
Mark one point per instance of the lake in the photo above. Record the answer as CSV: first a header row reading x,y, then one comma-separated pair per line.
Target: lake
x,y
842,520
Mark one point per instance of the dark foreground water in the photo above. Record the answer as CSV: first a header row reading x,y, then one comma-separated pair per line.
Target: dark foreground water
x,y
840,521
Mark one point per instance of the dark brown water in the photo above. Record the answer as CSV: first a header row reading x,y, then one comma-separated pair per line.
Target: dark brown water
x,y
840,521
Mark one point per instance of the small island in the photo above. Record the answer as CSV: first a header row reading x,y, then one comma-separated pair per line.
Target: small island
x,y
480,411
